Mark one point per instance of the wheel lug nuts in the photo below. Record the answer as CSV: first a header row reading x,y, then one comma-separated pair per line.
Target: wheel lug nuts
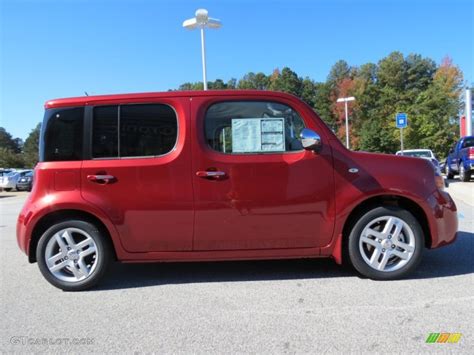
x,y
380,240
389,237
383,250
65,257
393,246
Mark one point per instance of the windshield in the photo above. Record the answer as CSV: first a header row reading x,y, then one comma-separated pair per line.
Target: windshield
x,y
468,142
418,154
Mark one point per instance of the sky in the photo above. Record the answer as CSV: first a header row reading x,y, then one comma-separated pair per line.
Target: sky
x,y
62,48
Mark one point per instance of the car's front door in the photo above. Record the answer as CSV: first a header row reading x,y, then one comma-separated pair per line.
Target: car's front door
x,y
254,185
139,173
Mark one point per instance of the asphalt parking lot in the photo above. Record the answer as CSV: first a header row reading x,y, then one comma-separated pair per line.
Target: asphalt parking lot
x,y
291,306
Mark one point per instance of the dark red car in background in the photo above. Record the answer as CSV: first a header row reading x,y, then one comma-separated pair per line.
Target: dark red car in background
x,y
220,175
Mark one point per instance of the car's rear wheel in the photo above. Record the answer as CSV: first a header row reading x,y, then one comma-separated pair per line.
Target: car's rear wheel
x,y
8,189
73,255
386,243
463,174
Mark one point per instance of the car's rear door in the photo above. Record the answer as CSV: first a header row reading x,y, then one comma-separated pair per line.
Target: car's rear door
x,y
139,172
254,185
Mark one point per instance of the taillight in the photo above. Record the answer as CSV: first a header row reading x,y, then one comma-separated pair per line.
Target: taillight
x,y
471,153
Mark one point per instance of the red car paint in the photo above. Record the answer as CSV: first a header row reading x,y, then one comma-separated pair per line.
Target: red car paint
x,y
282,205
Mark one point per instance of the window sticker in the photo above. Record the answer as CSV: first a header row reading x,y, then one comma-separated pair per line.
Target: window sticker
x,y
254,135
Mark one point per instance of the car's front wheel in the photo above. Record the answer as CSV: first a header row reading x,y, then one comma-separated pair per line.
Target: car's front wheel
x,y
386,243
73,255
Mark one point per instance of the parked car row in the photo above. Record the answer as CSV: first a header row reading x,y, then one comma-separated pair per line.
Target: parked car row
x,y
460,159
21,180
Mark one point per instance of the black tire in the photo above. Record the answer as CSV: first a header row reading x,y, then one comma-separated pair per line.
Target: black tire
x,y
8,189
355,254
102,260
463,174
449,172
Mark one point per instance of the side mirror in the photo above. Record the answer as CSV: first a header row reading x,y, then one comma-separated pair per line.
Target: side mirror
x,y
310,140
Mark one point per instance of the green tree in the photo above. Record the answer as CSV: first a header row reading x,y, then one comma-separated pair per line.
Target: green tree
x,y
308,91
8,142
254,81
288,81
339,71
323,104
9,159
31,147
436,109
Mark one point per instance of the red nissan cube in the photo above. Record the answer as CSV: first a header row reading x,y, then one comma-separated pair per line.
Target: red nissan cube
x,y
220,175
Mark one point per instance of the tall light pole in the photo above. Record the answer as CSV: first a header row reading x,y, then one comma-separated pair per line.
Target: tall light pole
x,y
346,100
202,21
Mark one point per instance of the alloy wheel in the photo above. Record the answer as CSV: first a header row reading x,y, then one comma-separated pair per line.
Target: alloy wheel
x,y
387,243
71,255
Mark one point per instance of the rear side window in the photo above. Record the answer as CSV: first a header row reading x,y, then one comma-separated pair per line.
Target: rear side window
x,y
62,134
133,131
250,127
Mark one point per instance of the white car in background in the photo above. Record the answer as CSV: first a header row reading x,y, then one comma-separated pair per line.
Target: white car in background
x,y
8,181
422,153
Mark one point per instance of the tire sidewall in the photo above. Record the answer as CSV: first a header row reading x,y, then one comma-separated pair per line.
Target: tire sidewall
x,y
464,175
103,255
353,243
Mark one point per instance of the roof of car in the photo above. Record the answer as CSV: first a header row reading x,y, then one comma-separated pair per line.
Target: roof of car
x,y
88,100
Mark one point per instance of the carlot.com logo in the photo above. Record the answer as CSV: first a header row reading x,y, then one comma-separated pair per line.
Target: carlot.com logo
x,y
443,338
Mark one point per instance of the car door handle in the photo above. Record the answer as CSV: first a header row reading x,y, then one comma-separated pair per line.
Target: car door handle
x,y
215,175
101,179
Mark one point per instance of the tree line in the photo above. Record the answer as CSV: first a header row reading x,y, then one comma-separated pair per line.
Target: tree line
x,y
429,93
14,153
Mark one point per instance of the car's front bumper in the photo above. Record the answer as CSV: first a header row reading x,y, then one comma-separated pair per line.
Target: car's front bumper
x,y
443,219
23,185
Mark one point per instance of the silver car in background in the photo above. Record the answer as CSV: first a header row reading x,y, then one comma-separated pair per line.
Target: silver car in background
x,y
9,181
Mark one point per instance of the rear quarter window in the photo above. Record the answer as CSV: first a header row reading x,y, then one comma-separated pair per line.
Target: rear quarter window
x,y
62,134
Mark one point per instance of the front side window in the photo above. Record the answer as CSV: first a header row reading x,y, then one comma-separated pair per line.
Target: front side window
x,y
249,127
62,134
133,131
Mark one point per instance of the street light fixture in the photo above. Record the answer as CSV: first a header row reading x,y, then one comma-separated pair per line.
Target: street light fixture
x,y
346,100
202,21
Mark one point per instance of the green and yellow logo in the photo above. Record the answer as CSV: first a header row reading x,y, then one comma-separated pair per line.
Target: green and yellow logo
x,y
443,338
